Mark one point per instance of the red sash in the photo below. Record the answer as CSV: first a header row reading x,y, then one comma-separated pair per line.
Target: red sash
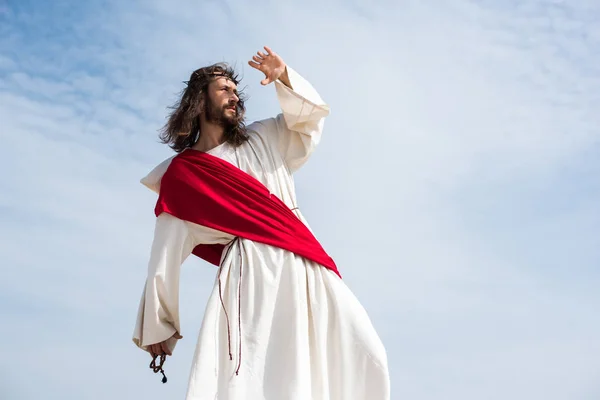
x,y
203,189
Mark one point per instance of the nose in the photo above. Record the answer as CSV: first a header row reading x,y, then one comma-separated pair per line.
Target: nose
x,y
235,97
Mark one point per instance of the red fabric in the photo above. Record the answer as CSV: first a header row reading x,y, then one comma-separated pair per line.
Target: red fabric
x,y
206,190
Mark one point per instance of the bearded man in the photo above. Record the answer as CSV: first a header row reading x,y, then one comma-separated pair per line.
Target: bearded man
x,y
280,323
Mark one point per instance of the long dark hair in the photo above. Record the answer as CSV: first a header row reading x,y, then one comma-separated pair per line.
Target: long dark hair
x,y
182,129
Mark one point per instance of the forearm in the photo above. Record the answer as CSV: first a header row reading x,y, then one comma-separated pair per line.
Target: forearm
x,y
302,107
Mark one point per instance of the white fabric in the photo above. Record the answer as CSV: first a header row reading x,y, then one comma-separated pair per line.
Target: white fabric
x,y
302,334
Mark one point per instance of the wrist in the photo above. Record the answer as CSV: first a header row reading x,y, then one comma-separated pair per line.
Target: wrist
x,y
285,78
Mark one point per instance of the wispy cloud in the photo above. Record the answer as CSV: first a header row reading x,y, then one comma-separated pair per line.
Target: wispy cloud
x,y
456,185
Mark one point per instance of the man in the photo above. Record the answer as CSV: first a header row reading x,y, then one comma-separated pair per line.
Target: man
x,y
280,323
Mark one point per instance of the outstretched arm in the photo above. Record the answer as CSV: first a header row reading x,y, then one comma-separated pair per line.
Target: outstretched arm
x,y
157,327
297,130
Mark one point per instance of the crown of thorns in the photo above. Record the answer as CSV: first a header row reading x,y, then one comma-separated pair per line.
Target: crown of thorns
x,y
232,78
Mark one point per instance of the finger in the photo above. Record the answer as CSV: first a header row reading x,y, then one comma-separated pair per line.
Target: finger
x,y
165,348
156,349
177,336
262,55
254,65
257,59
265,81
269,51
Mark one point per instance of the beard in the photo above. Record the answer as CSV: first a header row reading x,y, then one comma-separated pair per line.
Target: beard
x,y
217,115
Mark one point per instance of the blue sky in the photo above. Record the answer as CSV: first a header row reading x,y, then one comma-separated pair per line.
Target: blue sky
x,y
456,185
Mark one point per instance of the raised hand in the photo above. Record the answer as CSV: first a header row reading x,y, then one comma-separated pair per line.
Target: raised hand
x,y
270,64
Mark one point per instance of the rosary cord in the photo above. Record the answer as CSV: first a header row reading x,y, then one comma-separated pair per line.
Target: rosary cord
x,y
239,298
221,298
159,368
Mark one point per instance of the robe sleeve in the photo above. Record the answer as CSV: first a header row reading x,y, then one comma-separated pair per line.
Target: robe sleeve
x,y
297,130
158,313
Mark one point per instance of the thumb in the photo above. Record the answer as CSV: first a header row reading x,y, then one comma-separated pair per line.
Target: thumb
x,y
265,81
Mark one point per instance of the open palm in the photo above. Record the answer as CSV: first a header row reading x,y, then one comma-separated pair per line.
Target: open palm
x,y
270,64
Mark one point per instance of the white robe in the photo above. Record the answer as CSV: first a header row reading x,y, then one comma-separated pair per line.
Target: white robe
x,y
300,331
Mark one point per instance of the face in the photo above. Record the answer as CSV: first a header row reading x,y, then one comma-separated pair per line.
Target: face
x,y
222,102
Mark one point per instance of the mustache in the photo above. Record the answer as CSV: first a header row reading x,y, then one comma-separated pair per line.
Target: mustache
x,y
230,104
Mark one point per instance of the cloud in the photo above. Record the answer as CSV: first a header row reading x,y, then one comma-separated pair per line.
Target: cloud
x,y
455,185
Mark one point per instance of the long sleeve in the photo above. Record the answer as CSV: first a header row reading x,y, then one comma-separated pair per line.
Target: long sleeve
x,y
158,313
297,130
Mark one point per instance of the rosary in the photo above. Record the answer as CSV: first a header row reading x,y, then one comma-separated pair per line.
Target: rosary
x,y
159,367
